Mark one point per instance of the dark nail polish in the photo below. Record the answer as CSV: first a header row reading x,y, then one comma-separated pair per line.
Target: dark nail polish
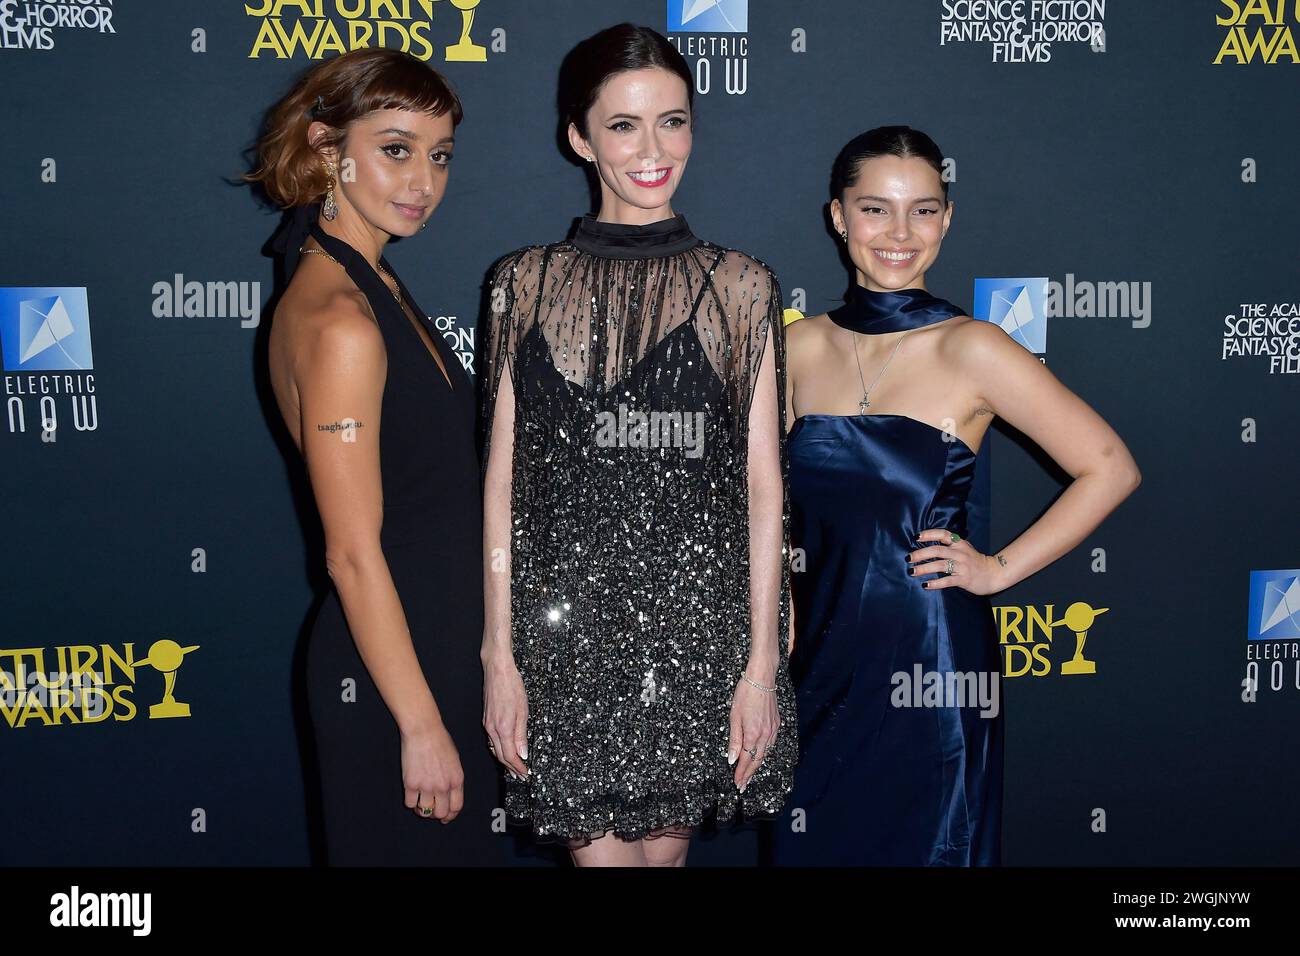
x,y
925,584
911,570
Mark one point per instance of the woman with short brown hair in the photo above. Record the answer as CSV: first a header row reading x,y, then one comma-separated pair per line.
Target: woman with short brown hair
x,y
384,416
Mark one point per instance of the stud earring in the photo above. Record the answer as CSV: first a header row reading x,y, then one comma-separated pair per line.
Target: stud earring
x,y
330,208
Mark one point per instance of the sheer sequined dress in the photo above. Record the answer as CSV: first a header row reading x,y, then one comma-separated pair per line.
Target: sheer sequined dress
x,y
633,353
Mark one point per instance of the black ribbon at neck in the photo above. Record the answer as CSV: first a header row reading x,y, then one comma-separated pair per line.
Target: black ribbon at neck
x,y
617,240
293,233
870,312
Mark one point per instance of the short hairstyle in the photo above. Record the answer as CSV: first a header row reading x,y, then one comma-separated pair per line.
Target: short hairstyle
x,y
336,92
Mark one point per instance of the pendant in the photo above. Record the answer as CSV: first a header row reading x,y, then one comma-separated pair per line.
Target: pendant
x,y
863,405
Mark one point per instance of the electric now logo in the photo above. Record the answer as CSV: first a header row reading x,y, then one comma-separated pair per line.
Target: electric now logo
x,y
102,909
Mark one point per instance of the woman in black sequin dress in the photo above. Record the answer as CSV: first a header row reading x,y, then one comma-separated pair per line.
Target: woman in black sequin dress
x,y
636,616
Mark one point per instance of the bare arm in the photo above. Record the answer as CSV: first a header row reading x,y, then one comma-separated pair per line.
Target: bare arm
x,y
341,376
496,524
766,531
1021,390
790,338
505,700
796,341
755,717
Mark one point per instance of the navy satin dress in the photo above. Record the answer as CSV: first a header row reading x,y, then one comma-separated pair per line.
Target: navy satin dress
x,y
879,784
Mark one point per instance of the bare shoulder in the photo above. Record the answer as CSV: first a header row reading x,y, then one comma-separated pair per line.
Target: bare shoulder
x,y
333,326
973,343
808,336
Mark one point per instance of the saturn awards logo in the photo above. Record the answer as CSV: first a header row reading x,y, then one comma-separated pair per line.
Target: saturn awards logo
x,y
713,36
84,684
1031,641
1258,31
49,377
319,28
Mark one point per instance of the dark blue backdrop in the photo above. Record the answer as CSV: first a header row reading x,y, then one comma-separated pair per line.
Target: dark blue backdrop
x,y
1095,146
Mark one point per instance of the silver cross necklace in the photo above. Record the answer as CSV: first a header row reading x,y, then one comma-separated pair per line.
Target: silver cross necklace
x,y
866,392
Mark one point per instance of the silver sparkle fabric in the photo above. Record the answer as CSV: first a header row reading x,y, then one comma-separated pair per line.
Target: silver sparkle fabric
x,y
629,549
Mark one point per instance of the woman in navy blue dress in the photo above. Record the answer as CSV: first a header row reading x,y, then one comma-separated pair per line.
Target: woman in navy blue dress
x,y
895,659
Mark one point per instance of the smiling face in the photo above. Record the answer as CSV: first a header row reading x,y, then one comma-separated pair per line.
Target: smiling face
x,y
896,218
393,166
640,136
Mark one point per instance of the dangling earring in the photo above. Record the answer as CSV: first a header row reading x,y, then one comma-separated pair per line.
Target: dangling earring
x,y
330,208
845,235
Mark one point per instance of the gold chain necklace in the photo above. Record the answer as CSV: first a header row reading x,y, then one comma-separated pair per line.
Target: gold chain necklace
x,y
395,295
321,252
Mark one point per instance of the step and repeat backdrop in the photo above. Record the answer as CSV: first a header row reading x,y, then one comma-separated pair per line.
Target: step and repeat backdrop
x,y
1124,175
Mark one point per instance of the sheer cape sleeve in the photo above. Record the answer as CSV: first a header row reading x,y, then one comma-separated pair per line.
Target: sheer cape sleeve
x,y
513,297
766,323
745,311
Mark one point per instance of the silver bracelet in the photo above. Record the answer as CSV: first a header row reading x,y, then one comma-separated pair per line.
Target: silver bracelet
x,y
770,690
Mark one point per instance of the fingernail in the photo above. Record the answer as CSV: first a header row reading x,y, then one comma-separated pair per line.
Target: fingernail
x,y
911,570
523,754
731,756
925,584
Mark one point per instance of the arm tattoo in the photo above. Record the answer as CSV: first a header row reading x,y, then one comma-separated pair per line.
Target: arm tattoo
x,y
338,426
